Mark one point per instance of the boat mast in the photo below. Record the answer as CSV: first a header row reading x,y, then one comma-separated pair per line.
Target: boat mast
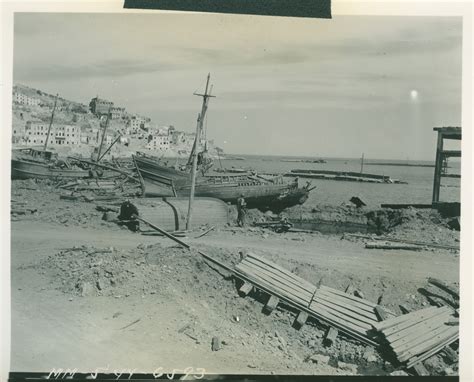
x,y
200,121
103,136
50,123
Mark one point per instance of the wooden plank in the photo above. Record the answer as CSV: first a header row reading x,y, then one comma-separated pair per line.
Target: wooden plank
x,y
420,369
291,291
380,313
413,316
412,321
324,319
272,288
355,304
419,328
427,345
245,289
433,351
451,354
271,304
337,322
330,337
418,339
297,279
348,296
300,320
442,285
405,309
345,312
278,276
368,315
361,326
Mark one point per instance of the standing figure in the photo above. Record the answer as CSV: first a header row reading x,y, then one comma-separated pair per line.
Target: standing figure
x,y
241,210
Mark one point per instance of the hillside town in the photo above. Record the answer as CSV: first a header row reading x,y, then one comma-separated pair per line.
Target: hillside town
x,y
77,128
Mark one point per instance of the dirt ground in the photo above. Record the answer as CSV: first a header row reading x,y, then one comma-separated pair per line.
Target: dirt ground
x,y
88,294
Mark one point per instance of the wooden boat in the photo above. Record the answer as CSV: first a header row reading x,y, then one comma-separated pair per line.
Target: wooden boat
x,y
274,194
161,180
32,163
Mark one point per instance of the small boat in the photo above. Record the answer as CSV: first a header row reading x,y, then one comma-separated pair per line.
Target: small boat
x,y
33,163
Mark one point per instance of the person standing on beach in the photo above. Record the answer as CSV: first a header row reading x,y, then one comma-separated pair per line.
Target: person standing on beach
x,y
241,210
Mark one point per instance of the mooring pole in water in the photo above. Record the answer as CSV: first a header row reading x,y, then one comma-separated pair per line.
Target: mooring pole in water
x,y
362,164
200,121
50,123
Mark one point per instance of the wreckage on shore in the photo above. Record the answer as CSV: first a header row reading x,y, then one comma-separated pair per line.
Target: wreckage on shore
x,y
266,193
259,192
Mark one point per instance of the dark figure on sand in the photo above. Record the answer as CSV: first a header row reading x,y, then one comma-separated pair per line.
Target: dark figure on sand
x,y
127,213
241,211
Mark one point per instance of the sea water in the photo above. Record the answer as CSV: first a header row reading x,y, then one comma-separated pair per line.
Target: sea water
x,y
330,192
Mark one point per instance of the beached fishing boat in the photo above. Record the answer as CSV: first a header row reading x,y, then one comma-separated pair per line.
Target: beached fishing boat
x,y
259,192
32,163
159,180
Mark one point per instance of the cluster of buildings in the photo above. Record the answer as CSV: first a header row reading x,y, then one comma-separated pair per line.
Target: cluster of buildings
x,y
36,133
135,131
23,99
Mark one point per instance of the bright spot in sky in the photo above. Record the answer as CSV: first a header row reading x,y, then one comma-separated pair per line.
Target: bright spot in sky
x,y
225,141
414,95
245,117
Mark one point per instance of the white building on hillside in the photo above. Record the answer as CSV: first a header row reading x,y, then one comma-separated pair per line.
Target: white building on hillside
x,y
37,131
23,99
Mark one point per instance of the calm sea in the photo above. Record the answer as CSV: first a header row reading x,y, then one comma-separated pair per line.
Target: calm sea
x,y
418,190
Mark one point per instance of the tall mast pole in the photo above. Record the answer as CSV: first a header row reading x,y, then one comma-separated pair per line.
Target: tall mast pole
x,y
200,121
362,163
103,135
50,123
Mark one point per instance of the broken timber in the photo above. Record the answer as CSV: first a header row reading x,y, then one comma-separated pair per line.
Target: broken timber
x,y
348,309
347,313
416,336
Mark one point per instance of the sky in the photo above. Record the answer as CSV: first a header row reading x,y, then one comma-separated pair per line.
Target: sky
x,y
284,86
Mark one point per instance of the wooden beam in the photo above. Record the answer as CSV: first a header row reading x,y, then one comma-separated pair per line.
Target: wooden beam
x,y
420,369
331,335
451,153
271,304
245,289
300,320
438,168
381,313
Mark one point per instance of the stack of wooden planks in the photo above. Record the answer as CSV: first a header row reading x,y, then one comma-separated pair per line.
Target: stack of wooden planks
x,y
352,315
277,280
349,313
418,335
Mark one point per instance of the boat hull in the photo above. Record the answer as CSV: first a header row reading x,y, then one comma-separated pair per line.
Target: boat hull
x,y
21,169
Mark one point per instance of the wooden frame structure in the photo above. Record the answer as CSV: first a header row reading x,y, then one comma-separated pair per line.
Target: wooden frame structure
x,y
442,155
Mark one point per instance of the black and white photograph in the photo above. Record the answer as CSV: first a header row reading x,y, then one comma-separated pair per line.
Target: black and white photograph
x,y
218,194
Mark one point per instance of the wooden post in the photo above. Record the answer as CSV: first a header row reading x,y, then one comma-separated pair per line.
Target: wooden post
x,y
362,164
50,124
202,115
245,289
300,320
330,336
420,369
271,304
438,167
